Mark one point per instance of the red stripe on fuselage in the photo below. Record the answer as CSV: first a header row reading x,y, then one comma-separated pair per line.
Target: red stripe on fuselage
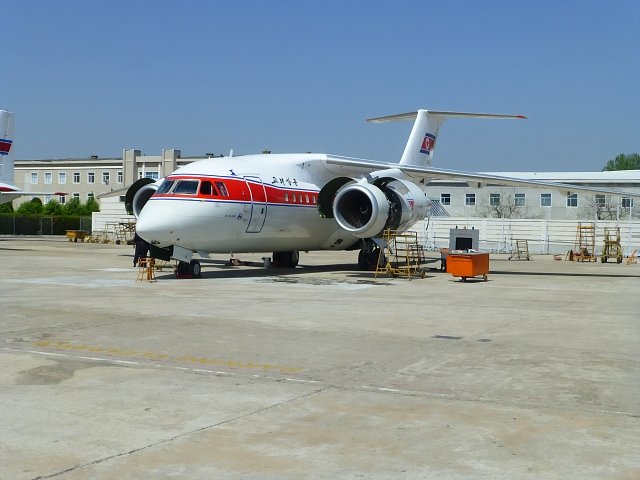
x,y
239,192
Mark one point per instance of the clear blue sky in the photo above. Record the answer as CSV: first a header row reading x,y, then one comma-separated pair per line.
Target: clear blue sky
x,y
95,77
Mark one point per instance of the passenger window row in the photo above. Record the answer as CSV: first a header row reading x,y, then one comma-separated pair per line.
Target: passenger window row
x,y
294,197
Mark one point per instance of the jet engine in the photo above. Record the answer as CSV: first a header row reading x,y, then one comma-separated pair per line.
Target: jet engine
x,y
367,209
138,195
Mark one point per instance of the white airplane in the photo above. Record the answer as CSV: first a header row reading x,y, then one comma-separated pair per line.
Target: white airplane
x,y
287,203
8,191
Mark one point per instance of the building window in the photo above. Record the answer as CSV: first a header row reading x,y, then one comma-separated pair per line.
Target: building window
x,y
470,199
62,178
90,195
76,196
120,177
520,199
34,178
572,200
600,199
76,177
47,199
627,202
151,175
106,176
445,198
545,199
48,178
91,177
494,199
62,199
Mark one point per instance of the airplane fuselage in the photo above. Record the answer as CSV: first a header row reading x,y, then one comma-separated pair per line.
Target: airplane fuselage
x,y
255,203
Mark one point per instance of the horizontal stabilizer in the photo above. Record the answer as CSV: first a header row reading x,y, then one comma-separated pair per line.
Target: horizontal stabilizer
x,y
422,140
412,115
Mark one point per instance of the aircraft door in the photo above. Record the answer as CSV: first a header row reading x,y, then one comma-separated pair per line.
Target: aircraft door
x,y
258,213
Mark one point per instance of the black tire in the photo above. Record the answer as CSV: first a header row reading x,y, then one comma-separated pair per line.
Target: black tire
x,y
183,268
194,268
286,259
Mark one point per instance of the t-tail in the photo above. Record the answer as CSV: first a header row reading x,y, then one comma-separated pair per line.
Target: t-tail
x,y
6,142
422,140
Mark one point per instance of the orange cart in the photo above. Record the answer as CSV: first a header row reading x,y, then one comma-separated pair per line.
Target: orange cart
x,y
468,264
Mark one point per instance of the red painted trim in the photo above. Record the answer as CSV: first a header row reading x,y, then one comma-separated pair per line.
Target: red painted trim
x,y
239,191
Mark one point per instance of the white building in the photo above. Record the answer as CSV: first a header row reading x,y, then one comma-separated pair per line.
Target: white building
x,y
461,199
83,178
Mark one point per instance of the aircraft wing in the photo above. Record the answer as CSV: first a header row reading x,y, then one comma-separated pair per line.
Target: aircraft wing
x,y
354,166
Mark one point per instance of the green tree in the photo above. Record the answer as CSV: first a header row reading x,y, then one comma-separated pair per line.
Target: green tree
x,y
52,208
73,208
34,207
91,206
6,207
623,162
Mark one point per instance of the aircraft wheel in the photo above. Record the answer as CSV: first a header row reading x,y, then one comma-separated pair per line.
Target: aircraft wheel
x,y
194,268
286,259
182,268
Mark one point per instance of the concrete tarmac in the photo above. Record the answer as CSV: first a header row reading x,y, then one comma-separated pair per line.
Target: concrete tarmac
x,y
316,372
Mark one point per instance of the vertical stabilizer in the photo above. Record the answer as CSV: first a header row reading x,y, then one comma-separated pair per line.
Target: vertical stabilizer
x,y
422,140
6,142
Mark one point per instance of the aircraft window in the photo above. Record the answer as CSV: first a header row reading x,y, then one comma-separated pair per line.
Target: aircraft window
x,y
306,198
313,199
300,198
205,188
286,197
186,187
165,186
293,198
223,189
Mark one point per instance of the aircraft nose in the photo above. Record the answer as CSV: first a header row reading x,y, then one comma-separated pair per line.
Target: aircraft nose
x,y
154,227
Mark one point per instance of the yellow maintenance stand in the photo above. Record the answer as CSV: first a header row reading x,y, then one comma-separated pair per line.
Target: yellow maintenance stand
x,y
612,247
585,243
403,255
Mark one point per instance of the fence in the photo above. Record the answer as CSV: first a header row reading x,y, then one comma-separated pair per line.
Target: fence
x,y
498,235
41,225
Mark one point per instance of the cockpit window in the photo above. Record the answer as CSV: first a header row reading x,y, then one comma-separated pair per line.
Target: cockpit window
x,y
206,188
223,189
165,186
186,187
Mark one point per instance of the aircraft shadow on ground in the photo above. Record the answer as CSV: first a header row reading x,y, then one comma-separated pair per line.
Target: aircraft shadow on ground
x,y
222,269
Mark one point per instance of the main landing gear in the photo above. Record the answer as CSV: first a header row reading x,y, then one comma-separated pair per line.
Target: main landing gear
x,y
191,269
285,259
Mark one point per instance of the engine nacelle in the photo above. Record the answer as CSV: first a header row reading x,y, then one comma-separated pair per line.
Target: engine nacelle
x,y
362,209
366,210
139,194
408,198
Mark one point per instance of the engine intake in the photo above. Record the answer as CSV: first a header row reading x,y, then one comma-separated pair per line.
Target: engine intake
x,y
367,209
362,209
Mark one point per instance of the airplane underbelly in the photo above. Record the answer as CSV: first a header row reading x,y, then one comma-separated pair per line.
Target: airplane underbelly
x,y
222,227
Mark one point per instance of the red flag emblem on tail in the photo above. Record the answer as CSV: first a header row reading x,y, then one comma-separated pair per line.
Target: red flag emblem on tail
x,y
5,146
428,143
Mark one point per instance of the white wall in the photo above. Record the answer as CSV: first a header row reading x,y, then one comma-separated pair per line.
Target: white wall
x,y
543,235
